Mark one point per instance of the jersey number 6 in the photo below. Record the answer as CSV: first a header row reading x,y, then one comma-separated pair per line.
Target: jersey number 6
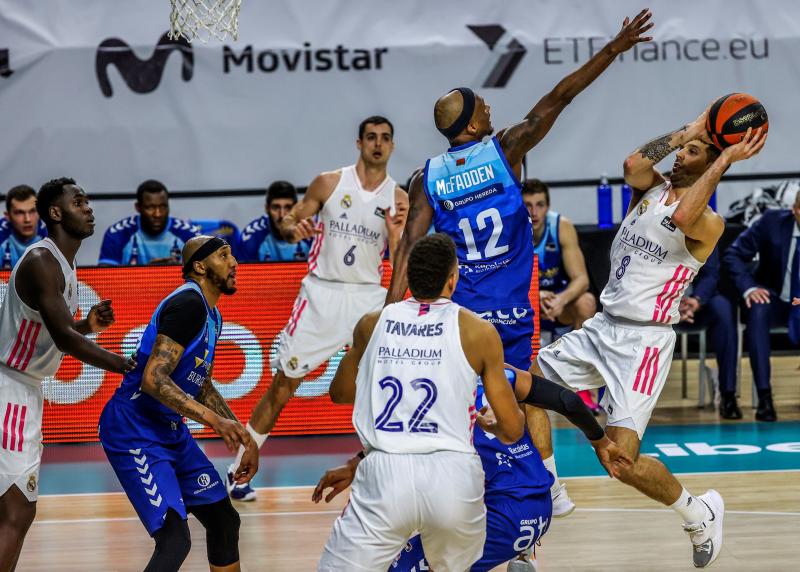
x,y
350,256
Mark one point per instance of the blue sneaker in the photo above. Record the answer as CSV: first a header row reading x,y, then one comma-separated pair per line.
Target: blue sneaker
x,y
241,493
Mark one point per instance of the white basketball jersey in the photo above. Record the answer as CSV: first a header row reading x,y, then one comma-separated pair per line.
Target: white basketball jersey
x,y
650,264
415,390
25,344
354,238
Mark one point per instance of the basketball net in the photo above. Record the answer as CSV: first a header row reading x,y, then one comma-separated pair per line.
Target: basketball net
x,y
204,19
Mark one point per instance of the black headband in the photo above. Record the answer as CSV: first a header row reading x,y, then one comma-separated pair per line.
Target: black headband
x,y
208,248
466,114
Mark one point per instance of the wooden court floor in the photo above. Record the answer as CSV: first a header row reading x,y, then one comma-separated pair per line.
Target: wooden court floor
x,y
614,527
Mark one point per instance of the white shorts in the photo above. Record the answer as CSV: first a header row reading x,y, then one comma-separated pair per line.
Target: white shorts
x,y
322,322
632,360
21,437
393,496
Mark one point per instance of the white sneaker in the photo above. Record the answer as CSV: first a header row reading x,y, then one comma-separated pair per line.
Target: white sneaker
x,y
562,504
522,564
706,536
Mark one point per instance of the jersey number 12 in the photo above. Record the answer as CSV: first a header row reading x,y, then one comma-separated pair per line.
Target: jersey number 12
x,y
492,248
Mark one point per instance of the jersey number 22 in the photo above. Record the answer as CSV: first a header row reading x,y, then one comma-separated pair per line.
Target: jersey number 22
x,y
416,424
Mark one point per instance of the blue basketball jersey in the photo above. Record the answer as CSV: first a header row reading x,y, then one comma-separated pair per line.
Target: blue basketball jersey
x,y
190,373
552,275
515,470
476,200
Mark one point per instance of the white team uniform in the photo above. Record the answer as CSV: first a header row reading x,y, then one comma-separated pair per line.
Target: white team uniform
x,y
628,347
345,265
414,412
27,356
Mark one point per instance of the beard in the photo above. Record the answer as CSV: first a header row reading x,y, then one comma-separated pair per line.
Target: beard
x,y
681,179
220,282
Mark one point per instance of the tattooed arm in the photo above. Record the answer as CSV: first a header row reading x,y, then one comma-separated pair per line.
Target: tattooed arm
x,y
157,383
420,215
518,139
639,167
210,397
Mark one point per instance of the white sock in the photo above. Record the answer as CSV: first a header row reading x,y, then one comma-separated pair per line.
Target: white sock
x,y
259,438
691,509
550,465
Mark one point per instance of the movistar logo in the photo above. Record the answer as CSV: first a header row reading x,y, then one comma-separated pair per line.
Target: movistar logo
x,y
141,76
503,64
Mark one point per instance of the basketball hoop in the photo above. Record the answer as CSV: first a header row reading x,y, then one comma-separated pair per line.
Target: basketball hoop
x,y
204,19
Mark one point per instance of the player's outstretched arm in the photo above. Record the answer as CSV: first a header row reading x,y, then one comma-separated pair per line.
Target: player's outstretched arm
x,y
693,217
537,391
37,288
518,139
484,351
343,386
420,215
297,225
157,383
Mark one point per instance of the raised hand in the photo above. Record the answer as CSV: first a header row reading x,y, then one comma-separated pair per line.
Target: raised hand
x,y
395,223
631,32
749,146
304,229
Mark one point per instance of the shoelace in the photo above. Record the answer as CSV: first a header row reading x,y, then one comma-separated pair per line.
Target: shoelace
x,y
705,547
695,528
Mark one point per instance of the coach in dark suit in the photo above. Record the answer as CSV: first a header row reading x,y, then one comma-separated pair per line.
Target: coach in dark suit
x,y
768,289
706,307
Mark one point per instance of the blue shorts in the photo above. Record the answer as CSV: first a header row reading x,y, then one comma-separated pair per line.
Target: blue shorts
x,y
512,527
515,326
159,467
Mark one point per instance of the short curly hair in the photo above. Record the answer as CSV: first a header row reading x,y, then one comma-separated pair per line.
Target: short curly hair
x,y
50,192
430,264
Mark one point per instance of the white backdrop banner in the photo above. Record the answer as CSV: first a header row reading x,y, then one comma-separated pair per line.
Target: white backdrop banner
x,y
93,88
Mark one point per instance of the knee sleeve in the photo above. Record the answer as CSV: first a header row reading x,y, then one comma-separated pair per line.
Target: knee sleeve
x,y
549,395
221,522
172,544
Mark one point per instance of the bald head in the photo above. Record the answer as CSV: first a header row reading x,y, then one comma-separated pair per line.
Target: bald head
x,y
447,109
462,116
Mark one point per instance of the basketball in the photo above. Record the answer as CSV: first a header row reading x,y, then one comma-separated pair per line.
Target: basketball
x,y
731,116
